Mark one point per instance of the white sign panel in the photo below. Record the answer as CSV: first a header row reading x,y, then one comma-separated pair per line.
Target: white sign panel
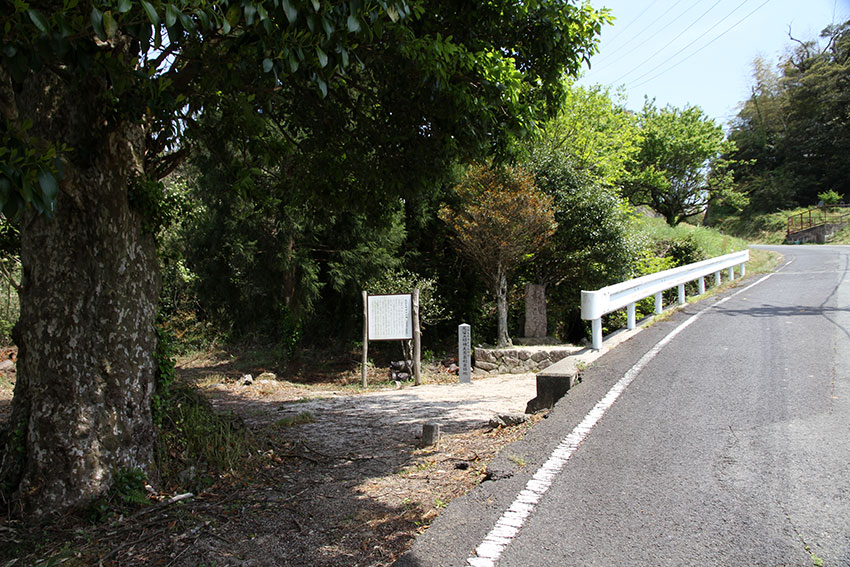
x,y
390,317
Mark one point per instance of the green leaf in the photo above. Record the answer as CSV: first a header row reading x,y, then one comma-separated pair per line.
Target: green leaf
x,y
97,23
323,86
124,6
49,186
353,24
26,189
393,13
293,63
39,20
323,57
187,22
290,11
5,191
205,19
151,12
171,14
109,24
316,5
250,14
268,64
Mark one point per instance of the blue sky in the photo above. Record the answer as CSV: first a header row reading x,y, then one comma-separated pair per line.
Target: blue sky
x,y
700,52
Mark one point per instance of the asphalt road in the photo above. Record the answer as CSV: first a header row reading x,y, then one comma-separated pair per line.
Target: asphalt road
x,y
729,446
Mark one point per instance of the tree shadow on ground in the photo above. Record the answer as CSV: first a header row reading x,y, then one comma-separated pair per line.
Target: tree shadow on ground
x,y
349,485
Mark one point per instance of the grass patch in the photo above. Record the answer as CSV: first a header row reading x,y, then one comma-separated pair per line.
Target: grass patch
x,y
297,419
196,445
518,460
709,240
771,228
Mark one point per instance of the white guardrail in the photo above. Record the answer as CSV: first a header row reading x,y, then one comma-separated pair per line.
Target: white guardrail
x,y
595,304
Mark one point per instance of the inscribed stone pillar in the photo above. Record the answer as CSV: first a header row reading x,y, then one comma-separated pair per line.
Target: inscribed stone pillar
x,y
535,311
464,353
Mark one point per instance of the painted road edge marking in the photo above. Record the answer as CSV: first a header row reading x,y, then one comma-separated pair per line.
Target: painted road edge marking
x,y
507,527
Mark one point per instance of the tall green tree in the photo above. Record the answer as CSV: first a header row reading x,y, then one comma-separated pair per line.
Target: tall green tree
x,y
759,132
593,132
580,158
96,99
817,145
678,150
500,218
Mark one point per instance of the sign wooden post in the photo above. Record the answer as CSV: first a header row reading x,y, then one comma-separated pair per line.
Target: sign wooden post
x,y
392,317
417,341
365,339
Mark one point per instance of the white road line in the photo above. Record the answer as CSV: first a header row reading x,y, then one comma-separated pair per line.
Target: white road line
x,y
509,524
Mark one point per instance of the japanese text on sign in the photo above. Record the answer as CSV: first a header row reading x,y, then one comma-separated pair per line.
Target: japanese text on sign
x,y
390,317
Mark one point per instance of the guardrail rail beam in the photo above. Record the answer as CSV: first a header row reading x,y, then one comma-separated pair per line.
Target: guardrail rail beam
x,y
595,304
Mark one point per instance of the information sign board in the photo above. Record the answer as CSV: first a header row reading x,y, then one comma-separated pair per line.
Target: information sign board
x,y
390,317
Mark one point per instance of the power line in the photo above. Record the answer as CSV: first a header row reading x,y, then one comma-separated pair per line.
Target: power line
x,y
699,37
608,54
630,24
730,28
666,45
645,10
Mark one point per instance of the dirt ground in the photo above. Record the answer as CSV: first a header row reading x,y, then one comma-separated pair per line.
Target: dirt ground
x,y
346,482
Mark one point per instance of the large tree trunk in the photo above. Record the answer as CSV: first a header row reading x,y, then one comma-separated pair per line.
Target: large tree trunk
x,y
503,339
81,407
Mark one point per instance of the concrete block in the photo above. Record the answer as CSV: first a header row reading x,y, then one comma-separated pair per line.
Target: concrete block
x,y
430,434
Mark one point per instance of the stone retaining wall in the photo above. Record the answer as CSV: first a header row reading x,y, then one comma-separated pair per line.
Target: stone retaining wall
x,y
519,360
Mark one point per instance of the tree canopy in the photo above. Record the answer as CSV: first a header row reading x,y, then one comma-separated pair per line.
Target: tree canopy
x,y
500,219
324,107
678,150
594,132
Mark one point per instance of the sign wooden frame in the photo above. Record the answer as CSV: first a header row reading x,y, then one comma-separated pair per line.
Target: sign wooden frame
x,y
390,317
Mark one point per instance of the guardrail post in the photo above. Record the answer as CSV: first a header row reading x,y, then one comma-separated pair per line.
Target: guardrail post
x,y
743,269
716,278
596,325
701,285
630,319
681,294
659,303
731,273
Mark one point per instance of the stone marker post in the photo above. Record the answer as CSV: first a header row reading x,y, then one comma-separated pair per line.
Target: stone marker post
x,y
535,311
464,353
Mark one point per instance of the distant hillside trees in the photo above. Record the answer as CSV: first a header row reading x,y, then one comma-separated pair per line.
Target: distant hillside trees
x,y
793,132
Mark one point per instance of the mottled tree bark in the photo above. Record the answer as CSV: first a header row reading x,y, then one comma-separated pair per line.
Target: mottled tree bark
x,y
85,376
503,339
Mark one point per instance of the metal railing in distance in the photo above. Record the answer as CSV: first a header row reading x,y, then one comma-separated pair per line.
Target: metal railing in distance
x,y
823,214
595,304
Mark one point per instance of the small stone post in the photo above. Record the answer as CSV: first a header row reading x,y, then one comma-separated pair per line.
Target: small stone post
x,y
464,353
430,434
